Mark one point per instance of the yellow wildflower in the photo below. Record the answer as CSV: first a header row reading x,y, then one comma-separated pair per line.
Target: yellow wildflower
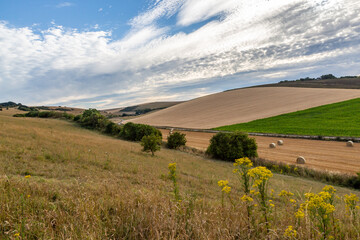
x,y
28,176
293,201
247,198
260,174
245,162
172,166
226,189
17,235
299,214
330,189
351,201
290,232
284,193
272,205
222,183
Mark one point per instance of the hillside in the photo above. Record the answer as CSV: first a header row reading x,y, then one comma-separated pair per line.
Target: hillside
x,y
60,181
138,109
339,83
244,105
337,119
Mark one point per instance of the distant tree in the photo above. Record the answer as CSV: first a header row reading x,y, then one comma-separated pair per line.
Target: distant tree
x,y
176,140
230,146
328,76
92,119
151,143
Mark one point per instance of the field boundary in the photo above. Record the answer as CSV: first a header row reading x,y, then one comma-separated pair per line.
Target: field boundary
x,y
308,137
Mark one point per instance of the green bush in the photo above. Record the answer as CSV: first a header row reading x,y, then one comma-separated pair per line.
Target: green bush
x,y
77,118
32,114
19,115
151,143
135,132
176,140
93,119
112,129
231,146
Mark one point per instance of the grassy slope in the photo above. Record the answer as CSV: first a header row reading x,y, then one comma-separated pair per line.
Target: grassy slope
x,y
338,119
85,185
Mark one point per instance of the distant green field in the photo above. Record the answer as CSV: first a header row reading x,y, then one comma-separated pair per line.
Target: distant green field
x,y
338,119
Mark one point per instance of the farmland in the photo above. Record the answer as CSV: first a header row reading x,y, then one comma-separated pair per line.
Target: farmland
x,y
60,181
244,105
338,119
321,155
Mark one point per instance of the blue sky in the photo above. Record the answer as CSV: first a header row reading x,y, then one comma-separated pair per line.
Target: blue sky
x,y
107,54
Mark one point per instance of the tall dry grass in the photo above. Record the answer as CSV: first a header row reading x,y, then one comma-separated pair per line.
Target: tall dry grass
x,y
84,185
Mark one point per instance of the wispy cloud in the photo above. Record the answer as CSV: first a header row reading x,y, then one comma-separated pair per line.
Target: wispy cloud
x,y
249,42
64,4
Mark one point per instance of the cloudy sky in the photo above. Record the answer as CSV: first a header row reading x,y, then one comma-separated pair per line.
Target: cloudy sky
x,y
112,53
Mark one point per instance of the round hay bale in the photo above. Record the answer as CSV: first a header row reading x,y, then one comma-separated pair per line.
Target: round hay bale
x,y
272,145
300,160
350,143
280,142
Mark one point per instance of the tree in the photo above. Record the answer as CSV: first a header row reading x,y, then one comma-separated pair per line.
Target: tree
x,y
231,146
176,140
92,119
328,76
151,143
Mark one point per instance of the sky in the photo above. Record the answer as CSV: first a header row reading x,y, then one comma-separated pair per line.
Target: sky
x,y
115,53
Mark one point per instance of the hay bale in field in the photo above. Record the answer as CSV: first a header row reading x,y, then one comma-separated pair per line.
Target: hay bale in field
x,y
350,143
280,142
300,160
272,145
171,131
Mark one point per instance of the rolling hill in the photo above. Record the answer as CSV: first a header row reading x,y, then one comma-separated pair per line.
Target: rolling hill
x,y
244,105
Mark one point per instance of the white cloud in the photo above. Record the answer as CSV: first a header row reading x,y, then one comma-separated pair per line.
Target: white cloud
x,y
100,10
250,42
64,4
159,9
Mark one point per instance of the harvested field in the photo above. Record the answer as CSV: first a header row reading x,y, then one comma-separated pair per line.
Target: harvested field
x,y
244,105
321,155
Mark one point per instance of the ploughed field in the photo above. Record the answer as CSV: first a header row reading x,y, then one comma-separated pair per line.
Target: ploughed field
x,y
244,105
322,155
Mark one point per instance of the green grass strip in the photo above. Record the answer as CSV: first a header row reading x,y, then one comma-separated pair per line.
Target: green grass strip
x,y
337,119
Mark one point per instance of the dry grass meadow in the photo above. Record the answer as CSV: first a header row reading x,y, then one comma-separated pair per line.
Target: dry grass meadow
x,y
60,181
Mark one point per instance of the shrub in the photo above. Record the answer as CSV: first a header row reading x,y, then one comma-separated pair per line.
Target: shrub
x,y
112,128
92,119
77,118
19,115
230,146
32,114
151,143
176,140
135,132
